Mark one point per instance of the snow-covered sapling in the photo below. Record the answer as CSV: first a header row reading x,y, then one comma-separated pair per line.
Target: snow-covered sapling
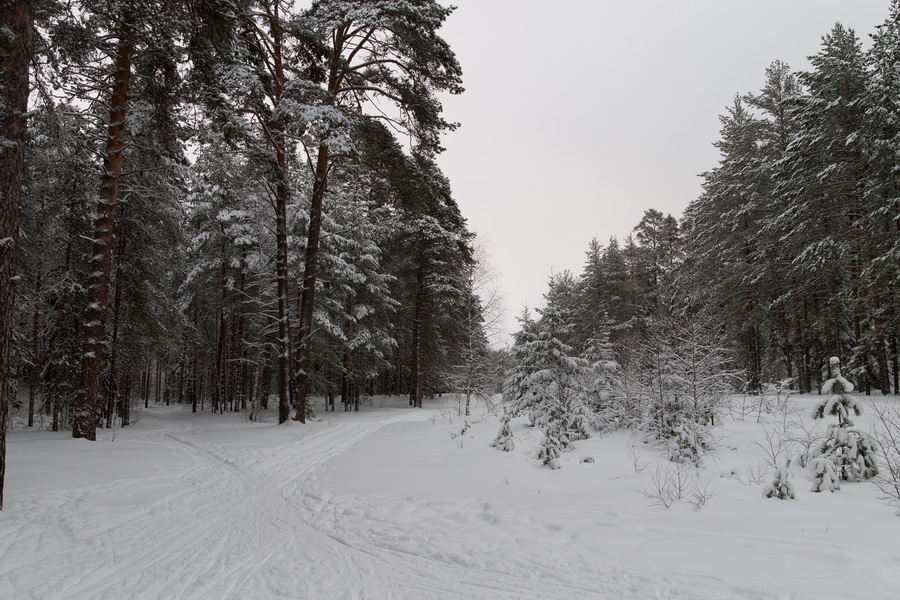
x,y
504,440
825,476
688,442
549,451
781,487
850,451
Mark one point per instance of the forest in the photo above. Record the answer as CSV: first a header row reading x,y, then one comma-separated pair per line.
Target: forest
x,y
228,204
248,340
236,205
783,269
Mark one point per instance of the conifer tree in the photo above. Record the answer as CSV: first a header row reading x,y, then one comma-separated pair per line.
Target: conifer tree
x,y
504,440
848,449
822,178
781,486
15,50
379,52
548,382
882,128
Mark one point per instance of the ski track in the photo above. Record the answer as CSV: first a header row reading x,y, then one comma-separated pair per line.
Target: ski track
x,y
247,524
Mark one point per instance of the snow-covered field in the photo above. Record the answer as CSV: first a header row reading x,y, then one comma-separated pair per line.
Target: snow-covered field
x,y
399,503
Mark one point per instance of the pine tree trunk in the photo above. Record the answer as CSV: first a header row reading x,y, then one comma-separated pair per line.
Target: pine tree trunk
x,y
181,382
282,191
15,48
85,421
145,388
117,309
125,407
36,358
416,388
895,363
307,297
157,391
221,340
311,254
193,380
240,351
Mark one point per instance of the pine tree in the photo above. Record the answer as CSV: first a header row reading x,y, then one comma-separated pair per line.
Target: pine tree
x,y
684,380
504,440
781,486
822,179
548,382
107,41
551,448
608,405
15,50
372,52
825,477
848,449
882,128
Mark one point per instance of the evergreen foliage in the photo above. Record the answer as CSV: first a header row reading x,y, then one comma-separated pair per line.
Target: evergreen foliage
x,y
781,486
204,269
850,451
504,440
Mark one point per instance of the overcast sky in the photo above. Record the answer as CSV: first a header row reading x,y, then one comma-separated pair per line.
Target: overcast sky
x,y
579,115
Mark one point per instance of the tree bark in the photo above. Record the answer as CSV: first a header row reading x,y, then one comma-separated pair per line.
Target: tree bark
x,y
36,357
15,48
117,309
307,297
282,191
85,419
416,389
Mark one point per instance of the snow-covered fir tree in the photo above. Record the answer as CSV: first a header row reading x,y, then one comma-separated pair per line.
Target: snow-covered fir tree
x,y
825,477
504,440
850,451
547,381
781,486
684,382
550,450
608,406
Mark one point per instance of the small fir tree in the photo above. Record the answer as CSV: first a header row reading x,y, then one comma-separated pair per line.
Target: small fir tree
x,y
850,451
781,487
603,386
550,449
825,476
504,440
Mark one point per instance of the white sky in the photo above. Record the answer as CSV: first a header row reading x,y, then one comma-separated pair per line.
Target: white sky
x,y
579,115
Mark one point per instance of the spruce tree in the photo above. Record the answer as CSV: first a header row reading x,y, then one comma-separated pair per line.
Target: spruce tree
x,y
848,449
504,440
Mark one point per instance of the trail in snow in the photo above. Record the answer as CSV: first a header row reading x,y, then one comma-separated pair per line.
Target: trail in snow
x,y
232,516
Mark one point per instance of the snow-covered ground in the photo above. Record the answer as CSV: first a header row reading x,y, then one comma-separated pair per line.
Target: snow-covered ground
x,y
399,503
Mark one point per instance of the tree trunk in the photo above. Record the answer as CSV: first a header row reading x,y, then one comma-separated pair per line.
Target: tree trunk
x,y
282,191
311,254
307,297
895,363
15,48
85,421
240,351
157,391
416,387
145,388
125,407
36,358
221,343
117,308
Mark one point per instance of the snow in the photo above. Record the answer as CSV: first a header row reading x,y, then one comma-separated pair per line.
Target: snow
x,y
400,503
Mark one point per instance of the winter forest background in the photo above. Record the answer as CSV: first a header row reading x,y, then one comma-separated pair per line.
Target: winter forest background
x,y
235,206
